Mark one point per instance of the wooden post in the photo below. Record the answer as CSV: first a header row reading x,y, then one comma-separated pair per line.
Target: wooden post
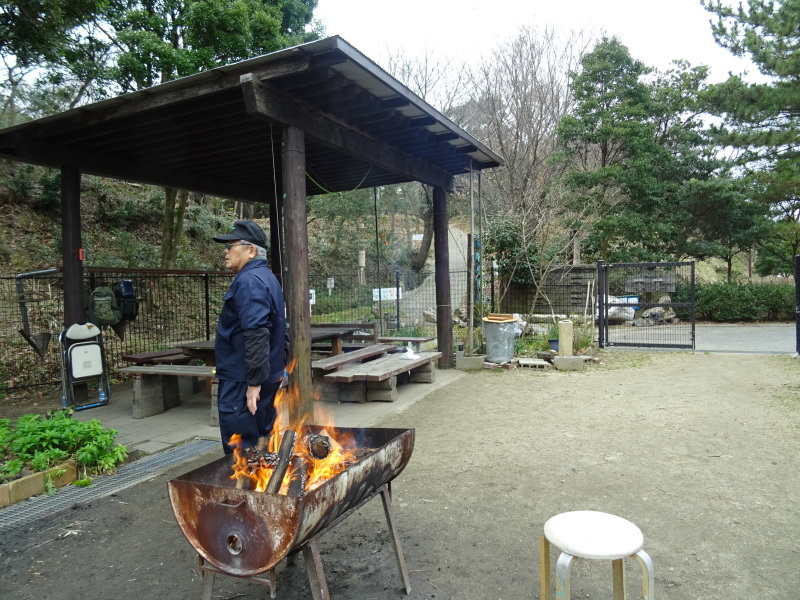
x,y
444,312
293,160
276,237
71,245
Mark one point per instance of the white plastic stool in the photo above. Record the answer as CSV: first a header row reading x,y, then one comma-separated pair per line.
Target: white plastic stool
x,y
594,535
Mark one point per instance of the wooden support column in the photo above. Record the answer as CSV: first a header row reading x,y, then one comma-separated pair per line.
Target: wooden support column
x,y
71,245
293,160
276,237
444,312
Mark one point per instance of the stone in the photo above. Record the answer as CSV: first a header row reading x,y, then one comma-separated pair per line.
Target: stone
x,y
568,363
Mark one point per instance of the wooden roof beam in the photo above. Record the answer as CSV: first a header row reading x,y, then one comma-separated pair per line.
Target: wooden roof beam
x,y
267,103
105,166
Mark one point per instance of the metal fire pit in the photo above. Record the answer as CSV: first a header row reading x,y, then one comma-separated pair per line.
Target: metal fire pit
x,y
244,533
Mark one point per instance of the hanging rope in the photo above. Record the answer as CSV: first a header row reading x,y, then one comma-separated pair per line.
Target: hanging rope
x,y
275,200
327,191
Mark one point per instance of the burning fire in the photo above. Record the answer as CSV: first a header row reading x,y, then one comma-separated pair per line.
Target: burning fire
x,y
314,458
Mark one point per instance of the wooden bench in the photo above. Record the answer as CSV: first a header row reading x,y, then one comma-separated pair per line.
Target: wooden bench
x,y
330,391
414,342
359,355
376,380
175,356
155,387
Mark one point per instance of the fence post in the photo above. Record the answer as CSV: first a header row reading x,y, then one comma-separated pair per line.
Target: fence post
x,y
397,295
601,307
797,302
208,307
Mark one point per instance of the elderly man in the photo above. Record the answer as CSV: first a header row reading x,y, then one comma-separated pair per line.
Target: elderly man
x,y
250,342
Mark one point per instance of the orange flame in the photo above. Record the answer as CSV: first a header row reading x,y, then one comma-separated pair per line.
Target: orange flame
x,y
287,401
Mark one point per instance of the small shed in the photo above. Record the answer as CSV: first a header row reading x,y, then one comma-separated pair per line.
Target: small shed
x,y
315,118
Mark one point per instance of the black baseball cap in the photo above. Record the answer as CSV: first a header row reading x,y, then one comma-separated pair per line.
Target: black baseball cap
x,y
246,231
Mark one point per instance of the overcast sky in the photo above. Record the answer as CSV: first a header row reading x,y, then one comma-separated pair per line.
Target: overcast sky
x,y
655,31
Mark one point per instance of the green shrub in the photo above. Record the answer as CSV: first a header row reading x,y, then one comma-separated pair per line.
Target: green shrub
x,y
749,302
37,443
775,302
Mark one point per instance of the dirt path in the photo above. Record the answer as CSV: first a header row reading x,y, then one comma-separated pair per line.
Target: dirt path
x,y
701,451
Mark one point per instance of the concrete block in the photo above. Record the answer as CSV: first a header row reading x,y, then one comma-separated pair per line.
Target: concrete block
x,y
389,383
534,363
70,474
568,363
422,377
382,395
170,388
469,363
5,498
214,418
25,487
148,399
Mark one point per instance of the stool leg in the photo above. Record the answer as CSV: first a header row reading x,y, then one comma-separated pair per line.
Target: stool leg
x,y
618,570
544,567
647,574
562,576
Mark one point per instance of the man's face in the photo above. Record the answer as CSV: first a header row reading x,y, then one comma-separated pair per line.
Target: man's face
x,y
237,255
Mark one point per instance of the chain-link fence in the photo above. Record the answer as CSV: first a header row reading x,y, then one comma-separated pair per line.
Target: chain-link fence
x,y
183,306
174,307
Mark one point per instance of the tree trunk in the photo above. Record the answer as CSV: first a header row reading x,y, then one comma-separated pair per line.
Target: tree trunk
x,y
427,237
175,201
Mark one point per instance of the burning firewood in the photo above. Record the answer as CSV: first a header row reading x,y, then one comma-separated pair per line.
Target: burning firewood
x,y
284,455
297,484
318,445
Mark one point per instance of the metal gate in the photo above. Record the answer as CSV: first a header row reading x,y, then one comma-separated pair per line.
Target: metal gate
x,y
646,305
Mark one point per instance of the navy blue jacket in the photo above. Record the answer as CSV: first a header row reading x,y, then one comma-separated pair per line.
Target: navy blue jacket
x,y
252,327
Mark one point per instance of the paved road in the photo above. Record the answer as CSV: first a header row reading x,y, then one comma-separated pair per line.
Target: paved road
x,y
772,338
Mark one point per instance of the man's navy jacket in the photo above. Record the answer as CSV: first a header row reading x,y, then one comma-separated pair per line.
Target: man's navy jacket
x,y
251,329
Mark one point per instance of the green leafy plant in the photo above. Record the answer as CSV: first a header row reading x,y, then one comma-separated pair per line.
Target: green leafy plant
x,y
37,443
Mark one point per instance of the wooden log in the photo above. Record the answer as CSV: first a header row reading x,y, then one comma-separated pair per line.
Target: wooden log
x,y
318,445
382,395
284,456
297,484
384,384
422,377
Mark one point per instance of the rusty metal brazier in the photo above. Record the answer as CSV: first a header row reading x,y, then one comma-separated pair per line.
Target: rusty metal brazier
x,y
244,533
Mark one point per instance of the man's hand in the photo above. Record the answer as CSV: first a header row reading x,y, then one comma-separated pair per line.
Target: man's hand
x,y
253,393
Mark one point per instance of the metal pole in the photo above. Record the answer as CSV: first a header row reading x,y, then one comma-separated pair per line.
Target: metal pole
x,y
397,295
601,313
208,307
797,302
471,269
378,255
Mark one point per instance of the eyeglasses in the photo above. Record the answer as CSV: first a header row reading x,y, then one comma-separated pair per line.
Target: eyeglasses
x,y
229,246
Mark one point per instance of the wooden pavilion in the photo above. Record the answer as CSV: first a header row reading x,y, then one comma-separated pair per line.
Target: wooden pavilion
x,y
316,118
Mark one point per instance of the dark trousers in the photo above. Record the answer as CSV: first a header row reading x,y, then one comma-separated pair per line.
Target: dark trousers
x,y
235,418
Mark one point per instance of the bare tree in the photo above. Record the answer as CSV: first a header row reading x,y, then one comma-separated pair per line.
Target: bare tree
x,y
444,83
520,94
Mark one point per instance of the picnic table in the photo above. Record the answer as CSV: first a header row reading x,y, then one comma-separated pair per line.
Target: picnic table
x,y
332,333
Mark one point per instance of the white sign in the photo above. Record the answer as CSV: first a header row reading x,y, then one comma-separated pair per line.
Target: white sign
x,y
312,297
416,237
330,283
386,294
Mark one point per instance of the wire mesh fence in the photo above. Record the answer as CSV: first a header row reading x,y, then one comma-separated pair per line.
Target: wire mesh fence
x,y
176,307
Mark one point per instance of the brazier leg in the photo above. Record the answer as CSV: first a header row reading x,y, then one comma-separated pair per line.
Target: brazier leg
x,y
398,549
316,577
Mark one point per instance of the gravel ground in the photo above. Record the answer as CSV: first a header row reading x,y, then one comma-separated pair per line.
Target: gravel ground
x,y
701,451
